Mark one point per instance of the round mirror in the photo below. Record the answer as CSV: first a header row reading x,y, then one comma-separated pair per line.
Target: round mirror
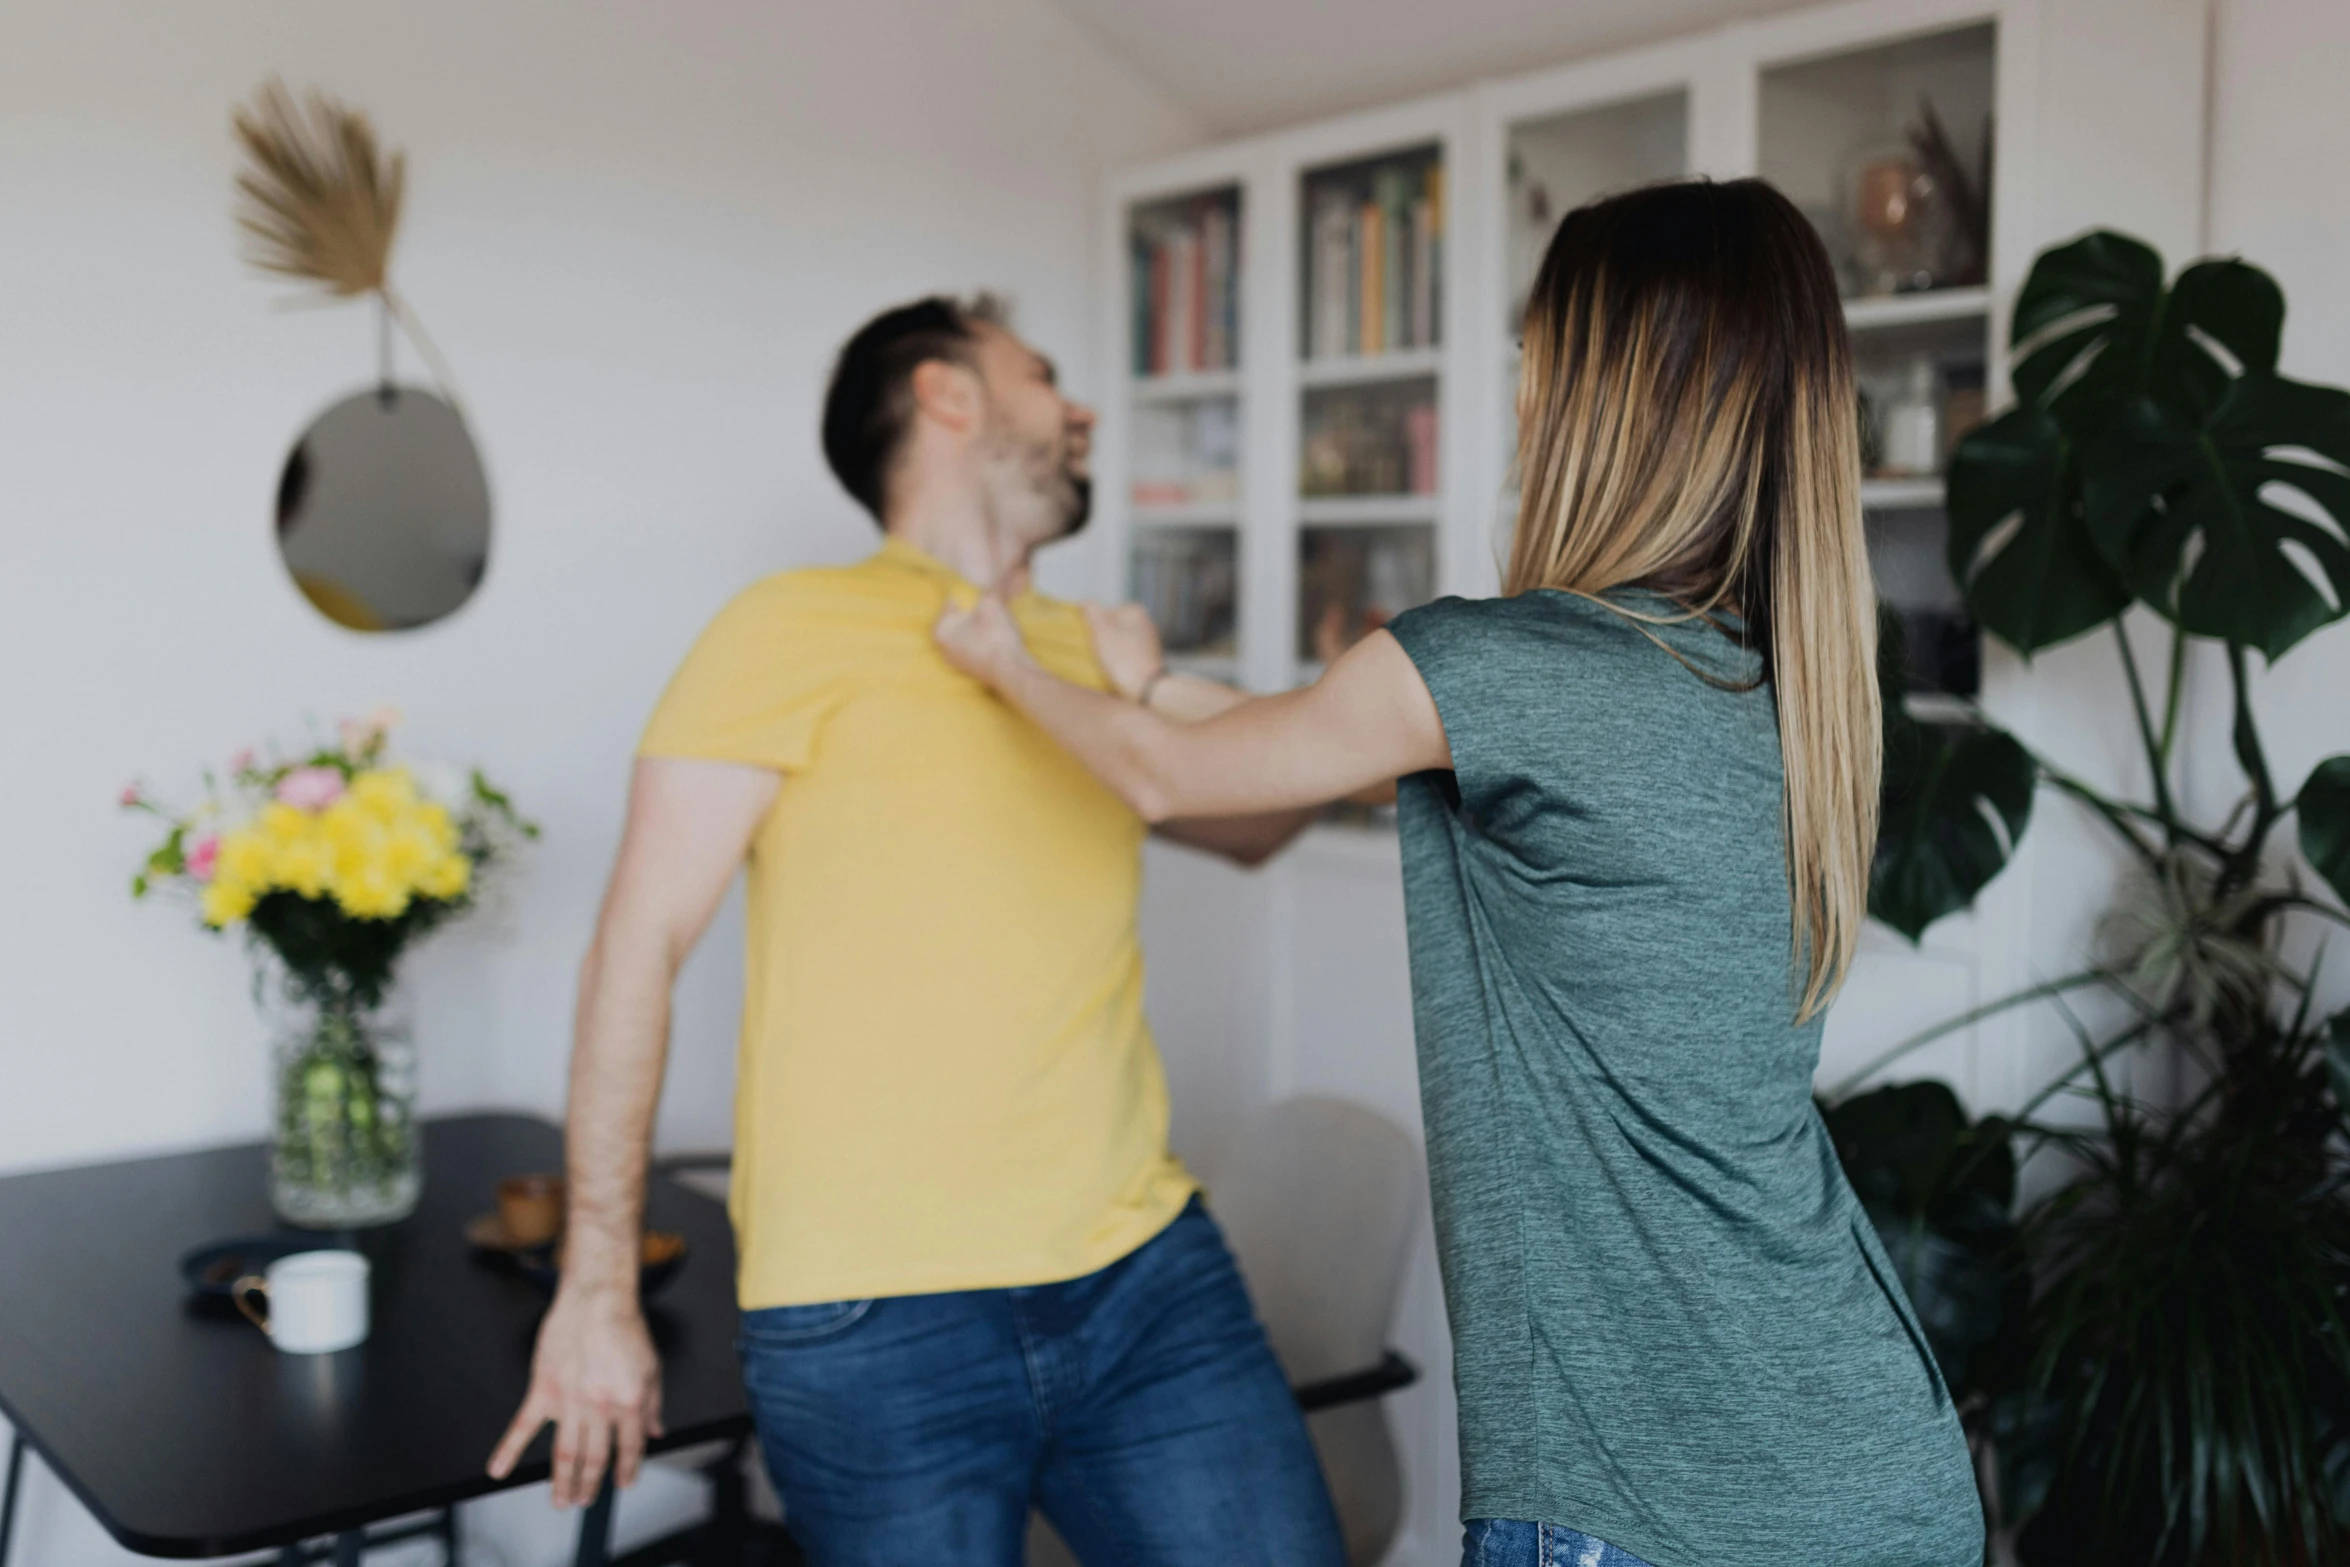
x,y
383,511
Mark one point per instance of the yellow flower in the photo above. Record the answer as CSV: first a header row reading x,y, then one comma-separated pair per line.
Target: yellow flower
x,y
282,824
446,877
245,857
371,895
226,902
385,794
304,866
434,819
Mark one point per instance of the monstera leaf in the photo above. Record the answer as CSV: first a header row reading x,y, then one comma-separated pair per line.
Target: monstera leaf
x,y
2154,454
2324,809
1956,798
2045,582
1950,822
2190,511
1938,1190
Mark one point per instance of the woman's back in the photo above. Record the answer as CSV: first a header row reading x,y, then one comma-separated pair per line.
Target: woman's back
x,y
1674,1329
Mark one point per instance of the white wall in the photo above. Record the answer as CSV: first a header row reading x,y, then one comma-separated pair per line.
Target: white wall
x,y
638,233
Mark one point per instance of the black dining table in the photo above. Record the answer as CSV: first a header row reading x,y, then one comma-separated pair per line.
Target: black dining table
x,y
186,1434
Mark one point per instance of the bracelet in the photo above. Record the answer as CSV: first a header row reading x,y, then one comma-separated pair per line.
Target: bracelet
x,y
1142,698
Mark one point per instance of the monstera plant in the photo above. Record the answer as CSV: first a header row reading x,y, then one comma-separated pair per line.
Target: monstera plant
x,y
2156,1350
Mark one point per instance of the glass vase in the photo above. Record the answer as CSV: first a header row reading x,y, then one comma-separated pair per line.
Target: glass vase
x,y
344,1147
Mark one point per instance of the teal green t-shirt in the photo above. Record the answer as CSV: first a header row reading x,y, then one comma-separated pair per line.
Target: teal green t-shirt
x,y
1673,1328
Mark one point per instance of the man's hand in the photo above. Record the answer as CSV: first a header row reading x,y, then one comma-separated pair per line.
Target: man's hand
x,y
1127,644
595,1376
982,641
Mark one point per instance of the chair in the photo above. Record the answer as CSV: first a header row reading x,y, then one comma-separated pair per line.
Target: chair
x,y
1319,1199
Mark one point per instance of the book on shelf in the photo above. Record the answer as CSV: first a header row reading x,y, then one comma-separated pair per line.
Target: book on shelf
x,y
1374,262
1184,278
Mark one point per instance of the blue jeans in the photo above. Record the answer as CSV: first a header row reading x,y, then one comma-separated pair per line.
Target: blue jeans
x,y
1139,1408
1505,1542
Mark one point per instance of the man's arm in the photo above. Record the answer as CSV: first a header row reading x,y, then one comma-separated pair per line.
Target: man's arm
x,y
595,1374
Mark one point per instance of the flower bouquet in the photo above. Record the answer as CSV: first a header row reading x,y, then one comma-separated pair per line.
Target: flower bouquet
x,y
334,862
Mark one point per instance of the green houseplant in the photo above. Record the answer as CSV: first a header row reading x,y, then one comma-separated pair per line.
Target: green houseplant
x,y
2157,1349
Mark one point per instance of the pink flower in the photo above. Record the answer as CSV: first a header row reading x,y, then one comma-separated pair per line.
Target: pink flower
x,y
204,857
131,798
310,788
361,734
241,763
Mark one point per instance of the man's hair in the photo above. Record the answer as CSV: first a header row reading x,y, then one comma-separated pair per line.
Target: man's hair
x,y
869,405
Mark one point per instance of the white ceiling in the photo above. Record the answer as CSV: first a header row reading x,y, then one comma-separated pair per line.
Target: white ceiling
x,y
1244,65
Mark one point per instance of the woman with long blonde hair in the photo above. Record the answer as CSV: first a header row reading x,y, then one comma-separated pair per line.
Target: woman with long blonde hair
x,y
1637,810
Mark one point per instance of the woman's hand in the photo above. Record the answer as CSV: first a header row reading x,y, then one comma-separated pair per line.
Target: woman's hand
x,y
1127,644
982,641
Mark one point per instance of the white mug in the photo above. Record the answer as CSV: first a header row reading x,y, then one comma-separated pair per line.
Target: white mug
x,y
316,1301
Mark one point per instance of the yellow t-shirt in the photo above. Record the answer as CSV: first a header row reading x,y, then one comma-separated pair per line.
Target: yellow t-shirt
x,y
946,1081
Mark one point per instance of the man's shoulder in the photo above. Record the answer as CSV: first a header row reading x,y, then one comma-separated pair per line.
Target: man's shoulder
x,y
823,593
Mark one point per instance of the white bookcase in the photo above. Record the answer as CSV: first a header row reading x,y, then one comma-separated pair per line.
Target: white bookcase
x,y
1303,966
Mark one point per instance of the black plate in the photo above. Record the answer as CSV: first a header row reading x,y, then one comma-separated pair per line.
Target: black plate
x,y
214,1268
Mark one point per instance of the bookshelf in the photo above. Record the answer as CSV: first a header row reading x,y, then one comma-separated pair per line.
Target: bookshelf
x,y
1301,963
1372,259
1182,428
1888,149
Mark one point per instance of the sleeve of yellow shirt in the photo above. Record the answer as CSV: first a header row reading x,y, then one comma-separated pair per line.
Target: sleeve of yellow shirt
x,y
749,691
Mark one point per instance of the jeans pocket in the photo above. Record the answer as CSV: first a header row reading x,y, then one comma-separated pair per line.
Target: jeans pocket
x,y
788,1327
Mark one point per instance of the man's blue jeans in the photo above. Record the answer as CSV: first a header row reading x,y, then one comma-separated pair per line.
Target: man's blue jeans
x,y
1139,1408
1507,1542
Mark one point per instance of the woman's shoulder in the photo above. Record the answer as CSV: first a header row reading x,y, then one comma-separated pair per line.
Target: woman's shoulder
x,y
1543,619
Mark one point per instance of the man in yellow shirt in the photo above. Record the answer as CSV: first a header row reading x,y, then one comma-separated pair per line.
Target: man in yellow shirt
x,y
974,1280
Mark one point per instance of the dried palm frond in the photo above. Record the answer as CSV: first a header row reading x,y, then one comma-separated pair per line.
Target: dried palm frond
x,y
316,201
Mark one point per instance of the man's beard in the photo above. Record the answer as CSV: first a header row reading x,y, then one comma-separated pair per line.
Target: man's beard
x,y
1041,488
1078,507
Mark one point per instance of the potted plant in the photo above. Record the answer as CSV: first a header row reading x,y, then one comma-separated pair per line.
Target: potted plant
x,y
334,862
2156,1348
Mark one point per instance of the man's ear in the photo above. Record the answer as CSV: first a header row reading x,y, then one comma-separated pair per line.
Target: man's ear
x,y
948,393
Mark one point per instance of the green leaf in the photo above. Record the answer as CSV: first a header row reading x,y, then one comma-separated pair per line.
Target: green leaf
x,y
2187,509
2018,546
2338,1061
2154,454
1955,804
2081,319
1938,1191
2324,809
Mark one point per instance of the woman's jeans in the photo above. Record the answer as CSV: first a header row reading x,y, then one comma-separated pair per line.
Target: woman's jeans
x,y
1139,1408
1505,1542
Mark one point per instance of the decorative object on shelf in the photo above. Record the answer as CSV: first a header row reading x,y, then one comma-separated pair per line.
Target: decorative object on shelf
x,y
1916,217
383,509
1187,453
1963,241
335,861
1378,439
1910,427
1352,581
1189,580
2152,1354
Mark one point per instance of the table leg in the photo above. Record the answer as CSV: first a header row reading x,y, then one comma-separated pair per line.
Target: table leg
x,y
350,1548
595,1528
448,1538
8,1502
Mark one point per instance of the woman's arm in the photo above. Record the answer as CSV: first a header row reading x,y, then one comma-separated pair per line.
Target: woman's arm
x,y
1368,719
